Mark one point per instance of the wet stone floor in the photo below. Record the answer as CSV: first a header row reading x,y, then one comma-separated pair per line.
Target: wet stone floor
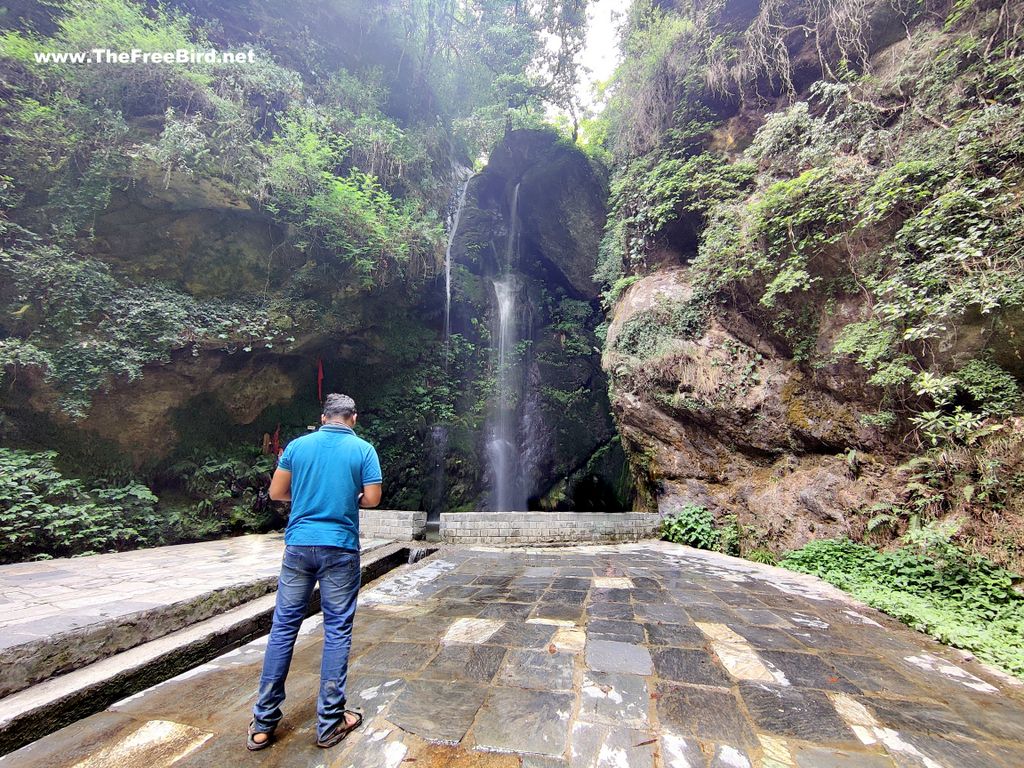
x,y
627,656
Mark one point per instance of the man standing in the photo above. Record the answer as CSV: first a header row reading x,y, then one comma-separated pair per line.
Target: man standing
x,y
326,476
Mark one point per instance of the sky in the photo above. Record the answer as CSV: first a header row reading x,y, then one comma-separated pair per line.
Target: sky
x,y
600,53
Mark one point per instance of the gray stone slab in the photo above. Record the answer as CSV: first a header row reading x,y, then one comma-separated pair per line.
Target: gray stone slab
x,y
668,614
610,595
575,583
539,761
958,753
10,639
522,635
728,756
710,614
823,757
505,611
996,715
539,670
615,611
403,658
760,617
518,720
565,596
917,716
372,694
600,746
622,631
871,674
558,612
689,665
472,663
681,750
615,699
675,635
800,714
806,670
437,711
612,656
710,714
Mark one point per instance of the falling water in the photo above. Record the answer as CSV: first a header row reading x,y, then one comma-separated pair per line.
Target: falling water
x,y
439,432
513,231
453,227
502,446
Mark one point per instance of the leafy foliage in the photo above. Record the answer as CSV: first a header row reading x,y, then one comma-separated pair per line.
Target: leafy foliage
x,y
645,334
933,586
45,514
227,487
692,525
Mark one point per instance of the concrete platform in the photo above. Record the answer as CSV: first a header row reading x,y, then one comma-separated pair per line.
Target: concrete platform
x,y
630,656
60,615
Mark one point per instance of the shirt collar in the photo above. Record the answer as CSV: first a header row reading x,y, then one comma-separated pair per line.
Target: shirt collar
x,y
337,428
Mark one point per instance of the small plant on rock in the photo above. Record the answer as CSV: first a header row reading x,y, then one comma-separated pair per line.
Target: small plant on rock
x,y
692,525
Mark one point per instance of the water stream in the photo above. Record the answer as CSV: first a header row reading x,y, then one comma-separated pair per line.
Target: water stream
x,y
502,443
439,432
453,228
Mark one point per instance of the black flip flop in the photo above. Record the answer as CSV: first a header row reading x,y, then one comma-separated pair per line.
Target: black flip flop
x,y
341,730
253,745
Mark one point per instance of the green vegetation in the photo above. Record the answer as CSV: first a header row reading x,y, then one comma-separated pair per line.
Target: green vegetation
x,y
350,161
692,525
44,513
695,526
646,332
933,586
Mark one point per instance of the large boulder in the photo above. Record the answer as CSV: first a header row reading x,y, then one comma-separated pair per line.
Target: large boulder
x,y
562,202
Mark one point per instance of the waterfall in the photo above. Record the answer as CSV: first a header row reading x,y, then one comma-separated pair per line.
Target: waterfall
x,y
501,448
439,432
513,231
453,227
502,444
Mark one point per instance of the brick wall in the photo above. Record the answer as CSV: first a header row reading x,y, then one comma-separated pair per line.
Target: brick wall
x,y
547,527
393,524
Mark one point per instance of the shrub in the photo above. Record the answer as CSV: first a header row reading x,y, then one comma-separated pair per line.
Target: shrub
x,y
993,390
645,334
693,525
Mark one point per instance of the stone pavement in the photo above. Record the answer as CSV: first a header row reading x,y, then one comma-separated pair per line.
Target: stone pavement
x,y
132,592
626,656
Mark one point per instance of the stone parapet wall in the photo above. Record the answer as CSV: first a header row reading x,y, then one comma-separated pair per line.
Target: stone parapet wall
x,y
393,524
539,528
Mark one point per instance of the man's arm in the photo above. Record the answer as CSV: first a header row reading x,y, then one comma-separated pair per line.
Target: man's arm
x,y
370,497
281,485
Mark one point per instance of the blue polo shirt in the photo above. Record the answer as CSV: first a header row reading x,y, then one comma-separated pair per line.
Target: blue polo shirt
x,y
329,469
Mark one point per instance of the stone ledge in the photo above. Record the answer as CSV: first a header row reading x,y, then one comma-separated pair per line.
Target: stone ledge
x,y
520,528
394,524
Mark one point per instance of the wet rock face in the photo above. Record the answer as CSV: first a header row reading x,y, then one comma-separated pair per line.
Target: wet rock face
x,y
194,233
719,418
562,203
144,418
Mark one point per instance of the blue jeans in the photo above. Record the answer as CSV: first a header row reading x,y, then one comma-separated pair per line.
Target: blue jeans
x,y
337,570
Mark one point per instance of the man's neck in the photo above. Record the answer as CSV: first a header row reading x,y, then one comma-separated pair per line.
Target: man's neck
x,y
337,424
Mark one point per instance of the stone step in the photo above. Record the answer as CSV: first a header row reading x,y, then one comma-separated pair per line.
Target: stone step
x,y
106,604
45,707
